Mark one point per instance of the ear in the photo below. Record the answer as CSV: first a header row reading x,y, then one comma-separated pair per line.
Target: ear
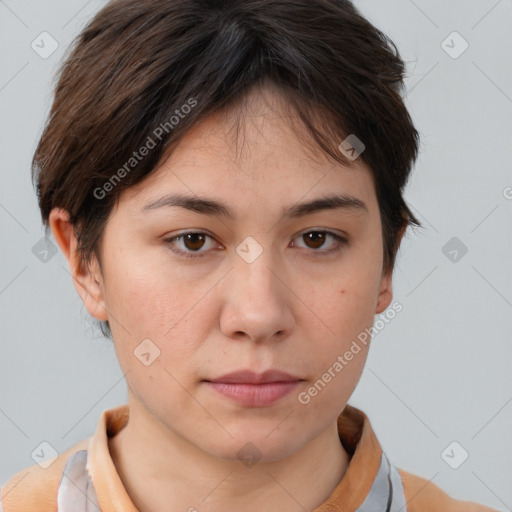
x,y
88,282
386,289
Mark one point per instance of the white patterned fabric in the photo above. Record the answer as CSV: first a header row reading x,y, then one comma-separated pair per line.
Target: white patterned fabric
x,y
76,492
387,491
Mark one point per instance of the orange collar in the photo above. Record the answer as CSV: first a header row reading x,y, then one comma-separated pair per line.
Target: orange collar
x,y
369,470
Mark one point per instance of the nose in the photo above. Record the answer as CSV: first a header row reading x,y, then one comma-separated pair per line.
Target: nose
x,y
257,301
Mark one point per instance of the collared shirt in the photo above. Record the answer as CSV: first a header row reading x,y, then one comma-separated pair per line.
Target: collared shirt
x,y
84,478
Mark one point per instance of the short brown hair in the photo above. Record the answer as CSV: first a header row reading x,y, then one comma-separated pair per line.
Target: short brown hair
x,y
132,70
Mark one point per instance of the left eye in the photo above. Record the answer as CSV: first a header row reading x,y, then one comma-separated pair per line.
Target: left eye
x,y
192,242
318,238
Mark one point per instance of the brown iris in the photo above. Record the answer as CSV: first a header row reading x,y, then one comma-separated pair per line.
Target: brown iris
x,y
317,238
193,241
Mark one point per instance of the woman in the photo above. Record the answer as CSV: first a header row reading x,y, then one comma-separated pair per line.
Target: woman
x,y
225,181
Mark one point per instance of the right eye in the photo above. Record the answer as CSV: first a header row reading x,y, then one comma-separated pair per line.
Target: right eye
x,y
191,243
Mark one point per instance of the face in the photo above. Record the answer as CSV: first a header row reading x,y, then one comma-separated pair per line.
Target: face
x,y
257,289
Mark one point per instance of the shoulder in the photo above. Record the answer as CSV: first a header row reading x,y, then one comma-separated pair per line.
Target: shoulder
x,y
422,495
35,487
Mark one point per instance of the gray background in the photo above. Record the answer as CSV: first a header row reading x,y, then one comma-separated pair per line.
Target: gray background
x,y
437,373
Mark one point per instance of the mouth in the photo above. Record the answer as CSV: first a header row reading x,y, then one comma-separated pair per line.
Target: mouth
x,y
254,395
251,389
250,377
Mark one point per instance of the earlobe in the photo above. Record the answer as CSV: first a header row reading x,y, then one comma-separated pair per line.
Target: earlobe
x,y
386,290
385,294
87,281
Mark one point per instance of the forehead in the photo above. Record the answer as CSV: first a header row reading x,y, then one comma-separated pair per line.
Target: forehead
x,y
253,149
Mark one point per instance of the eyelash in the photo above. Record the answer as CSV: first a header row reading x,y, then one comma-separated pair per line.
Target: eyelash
x,y
341,242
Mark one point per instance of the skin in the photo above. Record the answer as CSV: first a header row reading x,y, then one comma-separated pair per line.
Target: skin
x,y
294,308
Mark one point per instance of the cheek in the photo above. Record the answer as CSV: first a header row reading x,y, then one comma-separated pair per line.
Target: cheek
x,y
175,316
347,308
333,385
161,389
338,359
144,293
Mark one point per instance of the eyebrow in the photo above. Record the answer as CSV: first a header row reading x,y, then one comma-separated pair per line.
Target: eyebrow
x,y
212,207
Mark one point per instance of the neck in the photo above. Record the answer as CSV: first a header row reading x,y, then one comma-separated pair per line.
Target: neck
x,y
161,471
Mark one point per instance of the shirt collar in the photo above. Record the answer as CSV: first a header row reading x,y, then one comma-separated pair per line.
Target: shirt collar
x,y
369,483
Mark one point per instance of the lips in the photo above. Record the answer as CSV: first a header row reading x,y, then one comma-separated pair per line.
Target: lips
x,y
250,389
250,377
